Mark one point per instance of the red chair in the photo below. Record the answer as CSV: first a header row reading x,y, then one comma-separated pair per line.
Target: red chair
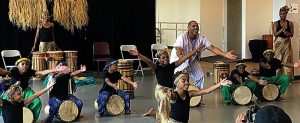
x,y
101,52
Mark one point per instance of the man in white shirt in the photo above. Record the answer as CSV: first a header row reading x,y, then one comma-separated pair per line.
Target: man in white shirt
x,y
188,41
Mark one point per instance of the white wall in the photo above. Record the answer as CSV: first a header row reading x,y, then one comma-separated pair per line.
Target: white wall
x,y
212,21
295,17
257,21
181,11
208,13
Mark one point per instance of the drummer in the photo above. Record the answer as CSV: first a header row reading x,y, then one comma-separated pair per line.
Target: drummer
x,y
270,70
111,77
59,92
238,78
23,73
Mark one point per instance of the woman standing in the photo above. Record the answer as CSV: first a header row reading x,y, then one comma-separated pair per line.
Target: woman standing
x,y
45,33
283,30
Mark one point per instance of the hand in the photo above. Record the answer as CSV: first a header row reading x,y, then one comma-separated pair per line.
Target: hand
x,y
226,82
169,91
240,118
82,68
230,55
268,66
200,47
115,86
262,82
33,48
297,64
133,52
135,85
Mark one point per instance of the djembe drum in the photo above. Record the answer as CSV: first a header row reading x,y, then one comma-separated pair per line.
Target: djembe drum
x,y
27,115
221,71
270,92
53,58
194,100
67,111
114,106
38,61
125,67
71,59
242,95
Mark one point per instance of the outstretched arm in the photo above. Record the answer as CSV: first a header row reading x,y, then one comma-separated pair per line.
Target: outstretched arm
x,y
217,51
187,56
37,94
134,84
143,58
82,69
259,81
211,88
4,72
296,64
45,72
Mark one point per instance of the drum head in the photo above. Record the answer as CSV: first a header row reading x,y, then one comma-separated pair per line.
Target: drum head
x,y
27,115
242,95
96,105
70,51
68,111
115,105
270,92
194,100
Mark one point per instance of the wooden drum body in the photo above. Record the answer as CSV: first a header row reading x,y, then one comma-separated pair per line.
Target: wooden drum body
x,y
114,106
67,112
242,95
125,67
221,71
270,92
53,58
38,61
194,100
27,115
71,59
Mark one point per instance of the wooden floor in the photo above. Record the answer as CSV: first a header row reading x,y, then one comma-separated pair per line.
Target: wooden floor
x,y
214,112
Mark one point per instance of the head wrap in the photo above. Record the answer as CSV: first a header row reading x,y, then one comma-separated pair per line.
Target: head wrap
x,y
180,75
110,62
22,59
268,51
161,51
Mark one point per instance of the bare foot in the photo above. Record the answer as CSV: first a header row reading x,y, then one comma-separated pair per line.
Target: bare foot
x,y
150,112
81,116
201,105
43,121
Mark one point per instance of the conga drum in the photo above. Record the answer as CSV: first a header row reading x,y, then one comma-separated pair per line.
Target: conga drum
x,y
115,105
221,71
67,112
38,61
270,92
71,59
53,58
194,100
242,95
125,67
27,115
